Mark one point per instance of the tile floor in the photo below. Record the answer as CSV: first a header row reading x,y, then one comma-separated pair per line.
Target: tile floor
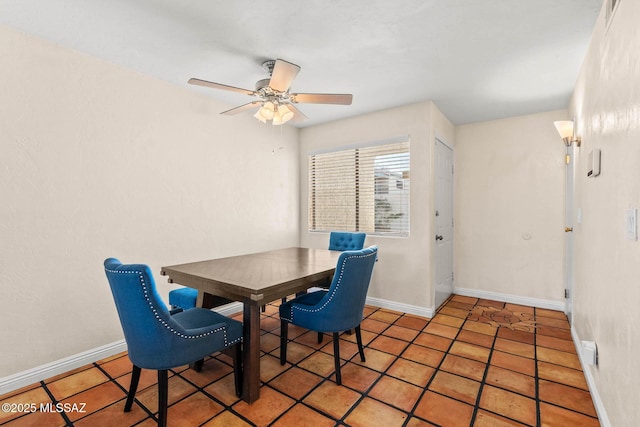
x,y
476,363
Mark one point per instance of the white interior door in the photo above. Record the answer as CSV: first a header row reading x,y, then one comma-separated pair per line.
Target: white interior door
x,y
569,215
443,222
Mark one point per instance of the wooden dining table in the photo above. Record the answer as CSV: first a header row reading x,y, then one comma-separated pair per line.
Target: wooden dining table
x,y
255,279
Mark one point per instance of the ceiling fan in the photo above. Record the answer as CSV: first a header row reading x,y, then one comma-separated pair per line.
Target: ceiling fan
x,y
275,101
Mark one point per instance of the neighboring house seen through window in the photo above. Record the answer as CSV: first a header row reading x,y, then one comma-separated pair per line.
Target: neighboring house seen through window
x,y
363,188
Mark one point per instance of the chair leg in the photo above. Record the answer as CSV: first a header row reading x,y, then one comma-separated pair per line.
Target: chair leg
x,y
135,378
284,332
237,368
336,357
320,336
359,339
163,397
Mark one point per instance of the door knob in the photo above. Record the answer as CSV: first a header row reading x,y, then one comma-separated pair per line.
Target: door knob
x,y
568,229
439,237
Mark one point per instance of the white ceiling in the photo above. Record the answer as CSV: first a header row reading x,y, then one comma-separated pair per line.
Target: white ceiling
x,y
476,59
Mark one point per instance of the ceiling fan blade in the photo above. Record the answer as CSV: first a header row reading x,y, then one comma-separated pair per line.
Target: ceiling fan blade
x,y
283,74
298,116
241,108
322,98
205,83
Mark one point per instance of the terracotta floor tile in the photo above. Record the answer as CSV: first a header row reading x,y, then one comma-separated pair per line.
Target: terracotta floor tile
x,y
464,299
476,338
113,415
376,360
303,416
263,411
397,393
508,404
557,357
358,377
464,367
94,399
456,387
226,419
296,382
445,319
512,381
412,372
118,367
481,328
556,343
192,411
212,370
490,303
512,362
389,345
69,373
553,416
470,351
385,316
517,308
270,367
295,352
567,397
456,304
562,375
332,399
413,322
367,337
451,310
34,396
224,390
110,358
178,389
270,324
487,419
400,332
269,342
544,312
148,378
347,348
424,355
513,335
37,419
555,323
318,363
369,409
444,411
441,330
310,339
433,341
19,391
417,422
76,383
514,347
554,332
373,325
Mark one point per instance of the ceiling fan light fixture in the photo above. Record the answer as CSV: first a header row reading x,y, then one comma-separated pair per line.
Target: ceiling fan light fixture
x,y
267,110
285,113
258,116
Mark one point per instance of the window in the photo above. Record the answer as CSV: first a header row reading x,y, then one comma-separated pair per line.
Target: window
x,y
365,188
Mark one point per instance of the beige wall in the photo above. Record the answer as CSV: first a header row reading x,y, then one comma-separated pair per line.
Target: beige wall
x,y
98,161
509,207
606,104
404,273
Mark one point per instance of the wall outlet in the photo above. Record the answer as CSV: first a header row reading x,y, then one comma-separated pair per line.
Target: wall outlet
x,y
590,352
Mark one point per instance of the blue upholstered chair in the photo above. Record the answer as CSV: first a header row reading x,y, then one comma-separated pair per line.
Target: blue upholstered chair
x,y
161,341
346,241
335,310
183,298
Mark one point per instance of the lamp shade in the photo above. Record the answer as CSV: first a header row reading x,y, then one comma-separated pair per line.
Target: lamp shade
x,y
565,129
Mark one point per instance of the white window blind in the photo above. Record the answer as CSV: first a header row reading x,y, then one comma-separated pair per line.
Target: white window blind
x,y
361,189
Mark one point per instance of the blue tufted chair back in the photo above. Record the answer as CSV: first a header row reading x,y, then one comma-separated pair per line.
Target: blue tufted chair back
x,y
155,339
345,241
342,306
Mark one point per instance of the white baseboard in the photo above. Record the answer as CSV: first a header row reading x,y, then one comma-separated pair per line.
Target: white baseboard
x,y
595,395
39,373
404,308
512,299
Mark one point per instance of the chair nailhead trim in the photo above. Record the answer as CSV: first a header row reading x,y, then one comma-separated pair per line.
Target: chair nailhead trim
x,y
165,324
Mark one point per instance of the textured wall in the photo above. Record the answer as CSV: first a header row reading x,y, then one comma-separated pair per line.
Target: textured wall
x,y
509,207
606,104
98,161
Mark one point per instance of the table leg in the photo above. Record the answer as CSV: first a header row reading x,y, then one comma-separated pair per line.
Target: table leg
x,y
251,352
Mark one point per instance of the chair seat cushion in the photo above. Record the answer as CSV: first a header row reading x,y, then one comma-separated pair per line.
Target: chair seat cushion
x,y
183,297
195,318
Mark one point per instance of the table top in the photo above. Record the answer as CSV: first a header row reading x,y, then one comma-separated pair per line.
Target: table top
x,y
258,276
